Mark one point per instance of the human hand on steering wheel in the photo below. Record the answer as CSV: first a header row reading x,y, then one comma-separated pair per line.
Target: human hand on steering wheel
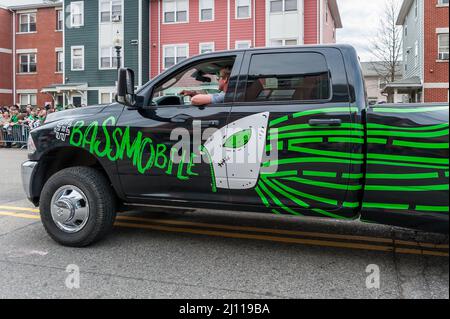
x,y
188,93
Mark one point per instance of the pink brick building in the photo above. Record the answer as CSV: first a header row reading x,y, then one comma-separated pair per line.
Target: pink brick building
x,y
425,51
31,49
6,57
436,55
183,28
38,52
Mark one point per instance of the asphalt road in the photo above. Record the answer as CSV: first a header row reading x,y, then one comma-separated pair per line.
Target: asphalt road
x,y
203,254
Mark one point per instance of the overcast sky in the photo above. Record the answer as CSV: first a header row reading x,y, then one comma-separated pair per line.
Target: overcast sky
x,y
359,17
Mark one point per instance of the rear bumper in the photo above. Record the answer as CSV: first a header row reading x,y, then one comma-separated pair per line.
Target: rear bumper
x,y
28,172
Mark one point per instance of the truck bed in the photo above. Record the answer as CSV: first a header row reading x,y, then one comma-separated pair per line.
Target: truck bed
x,y
407,165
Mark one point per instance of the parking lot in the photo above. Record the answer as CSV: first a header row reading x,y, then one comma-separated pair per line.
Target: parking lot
x,y
168,253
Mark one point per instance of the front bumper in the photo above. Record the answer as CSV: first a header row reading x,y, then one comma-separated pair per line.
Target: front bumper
x,y
28,172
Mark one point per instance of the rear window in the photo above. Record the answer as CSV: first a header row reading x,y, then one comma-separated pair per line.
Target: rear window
x,y
288,77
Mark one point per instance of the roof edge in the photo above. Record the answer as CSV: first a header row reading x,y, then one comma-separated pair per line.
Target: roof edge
x,y
406,6
334,8
35,6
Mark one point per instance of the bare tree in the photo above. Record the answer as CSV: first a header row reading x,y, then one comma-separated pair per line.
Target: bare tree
x,y
387,45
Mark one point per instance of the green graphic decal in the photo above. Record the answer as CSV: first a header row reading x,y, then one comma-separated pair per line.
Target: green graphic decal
x,y
408,171
399,170
118,145
318,169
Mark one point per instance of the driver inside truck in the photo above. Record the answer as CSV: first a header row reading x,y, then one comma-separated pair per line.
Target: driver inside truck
x,y
199,99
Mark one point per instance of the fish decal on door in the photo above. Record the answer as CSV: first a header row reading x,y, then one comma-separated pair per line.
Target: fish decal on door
x,y
237,150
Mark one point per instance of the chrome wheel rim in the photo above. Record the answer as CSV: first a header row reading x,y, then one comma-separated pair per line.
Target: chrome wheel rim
x,y
70,209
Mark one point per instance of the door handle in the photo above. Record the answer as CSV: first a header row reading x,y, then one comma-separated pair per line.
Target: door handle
x,y
325,122
210,123
181,118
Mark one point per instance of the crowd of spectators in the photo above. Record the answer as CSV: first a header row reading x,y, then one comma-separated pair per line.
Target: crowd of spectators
x,y
16,121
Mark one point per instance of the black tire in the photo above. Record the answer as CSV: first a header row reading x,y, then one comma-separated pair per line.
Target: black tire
x,y
102,205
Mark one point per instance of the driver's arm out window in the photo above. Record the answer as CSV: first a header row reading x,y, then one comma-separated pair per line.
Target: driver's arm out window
x,y
201,78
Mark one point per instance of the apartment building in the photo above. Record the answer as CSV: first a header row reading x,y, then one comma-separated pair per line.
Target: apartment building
x,y
425,51
66,52
157,34
6,57
37,60
91,31
376,81
183,28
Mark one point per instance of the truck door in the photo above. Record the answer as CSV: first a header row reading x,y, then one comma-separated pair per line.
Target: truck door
x,y
171,132
292,123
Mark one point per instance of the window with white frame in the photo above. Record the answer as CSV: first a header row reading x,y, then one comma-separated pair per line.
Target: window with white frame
x,y
28,99
276,43
443,2
406,60
243,9
206,47
174,54
110,11
416,53
108,58
77,13
106,97
443,46
283,42
27,22
59,61
243,44
206,10
175,11
59,20
290,42
77,58
283,6
27,63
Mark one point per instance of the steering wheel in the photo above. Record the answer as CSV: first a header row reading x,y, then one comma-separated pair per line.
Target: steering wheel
x,y
171,100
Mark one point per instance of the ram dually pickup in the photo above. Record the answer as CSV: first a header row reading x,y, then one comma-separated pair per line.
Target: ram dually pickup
x,y
288,131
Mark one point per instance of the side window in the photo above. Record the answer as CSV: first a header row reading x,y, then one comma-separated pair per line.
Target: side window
x,y
202,78
288,77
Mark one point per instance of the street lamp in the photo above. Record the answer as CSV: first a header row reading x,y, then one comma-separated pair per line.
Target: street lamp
x,y
118,47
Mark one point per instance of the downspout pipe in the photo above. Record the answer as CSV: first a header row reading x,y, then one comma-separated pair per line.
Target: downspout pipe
x,y
228,25
140,44
254,23
14,55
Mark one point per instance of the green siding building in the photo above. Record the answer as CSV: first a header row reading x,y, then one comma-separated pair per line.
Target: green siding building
x,y
91,29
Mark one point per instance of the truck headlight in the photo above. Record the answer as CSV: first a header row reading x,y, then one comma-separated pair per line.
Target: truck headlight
x,y
30,145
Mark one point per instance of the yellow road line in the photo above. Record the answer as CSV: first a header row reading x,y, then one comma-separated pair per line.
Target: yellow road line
x,y
21,215
423,252
258,229
312,242
420,244
25,209
251,236
266,230
284,232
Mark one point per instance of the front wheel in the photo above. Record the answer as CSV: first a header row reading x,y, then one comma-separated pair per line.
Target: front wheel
x,y
77,206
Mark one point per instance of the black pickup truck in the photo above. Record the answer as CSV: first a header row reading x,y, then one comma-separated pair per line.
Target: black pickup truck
x,y
292,134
